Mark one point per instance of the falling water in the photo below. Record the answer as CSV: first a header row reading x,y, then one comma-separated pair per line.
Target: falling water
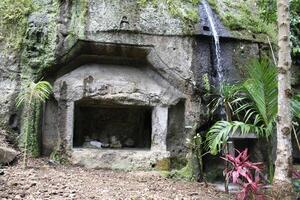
x,y
216,39
214,31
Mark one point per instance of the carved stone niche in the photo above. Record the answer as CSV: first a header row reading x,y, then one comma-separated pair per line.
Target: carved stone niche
x,y
111,107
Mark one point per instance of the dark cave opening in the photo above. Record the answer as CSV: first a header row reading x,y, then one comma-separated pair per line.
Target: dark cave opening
x,y
112,126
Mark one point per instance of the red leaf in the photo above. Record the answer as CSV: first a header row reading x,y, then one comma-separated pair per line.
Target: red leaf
x,y
245,173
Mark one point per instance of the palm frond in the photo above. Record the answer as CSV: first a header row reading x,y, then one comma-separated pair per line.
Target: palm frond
x,y
261,88
254,103
228,95
219,133
39,91
295,105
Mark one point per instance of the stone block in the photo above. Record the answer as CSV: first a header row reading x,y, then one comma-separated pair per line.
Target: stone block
x,y
7,155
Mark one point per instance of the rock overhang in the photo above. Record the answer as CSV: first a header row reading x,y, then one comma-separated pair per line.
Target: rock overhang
x,y
117,83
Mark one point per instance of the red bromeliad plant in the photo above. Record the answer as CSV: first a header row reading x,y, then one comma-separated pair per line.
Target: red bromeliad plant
x,y
245,173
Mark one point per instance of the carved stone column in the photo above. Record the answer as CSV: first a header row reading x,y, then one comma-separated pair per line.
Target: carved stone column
x,y
159,128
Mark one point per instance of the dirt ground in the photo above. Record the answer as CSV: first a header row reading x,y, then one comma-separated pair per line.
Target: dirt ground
x,y
43,180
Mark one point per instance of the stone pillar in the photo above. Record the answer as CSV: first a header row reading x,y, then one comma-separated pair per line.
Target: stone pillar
x,y
159,128
66,124
69,125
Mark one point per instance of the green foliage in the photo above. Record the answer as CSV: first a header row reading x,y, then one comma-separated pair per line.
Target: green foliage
x,y
296,184
186,10
213,4
295,27
58,157
242,16
268,9
30,97
295,105
13,21
261,91
255,106
79,12
226,98
40,42
193,170
186,173
219,133
206,82
39,92
178,162
254,112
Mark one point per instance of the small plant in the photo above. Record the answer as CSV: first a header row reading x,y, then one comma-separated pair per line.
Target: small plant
x,y
58,157
254,110
29,96
246,174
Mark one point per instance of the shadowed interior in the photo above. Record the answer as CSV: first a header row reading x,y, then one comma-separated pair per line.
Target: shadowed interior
x,y
114,126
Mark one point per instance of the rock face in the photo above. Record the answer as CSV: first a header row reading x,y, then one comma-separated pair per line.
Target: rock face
x,y
7,155
104,54
118,159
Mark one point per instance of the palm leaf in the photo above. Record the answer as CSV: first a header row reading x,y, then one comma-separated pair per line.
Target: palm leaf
x,y
219,133
39,91
29,95
261,88
255,104
228,95
295,105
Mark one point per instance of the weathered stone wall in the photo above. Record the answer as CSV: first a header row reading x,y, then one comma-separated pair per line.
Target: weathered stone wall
x,y
9,81
59,32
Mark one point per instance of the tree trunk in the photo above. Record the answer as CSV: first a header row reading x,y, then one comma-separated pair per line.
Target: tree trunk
x,y
283,164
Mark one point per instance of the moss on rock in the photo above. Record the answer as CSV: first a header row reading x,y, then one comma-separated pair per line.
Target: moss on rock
x,y
186,10
243,16
206,82
13,21
185,173
163,165
178,162
38,53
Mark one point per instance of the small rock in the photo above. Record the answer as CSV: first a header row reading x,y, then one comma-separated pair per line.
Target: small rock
x,y
32,184
194,194
7,155
15,184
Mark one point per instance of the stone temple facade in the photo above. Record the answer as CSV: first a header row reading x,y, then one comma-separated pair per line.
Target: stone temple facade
x,y
128,78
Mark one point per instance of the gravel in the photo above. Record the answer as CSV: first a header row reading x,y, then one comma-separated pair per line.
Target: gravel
x,y
43,180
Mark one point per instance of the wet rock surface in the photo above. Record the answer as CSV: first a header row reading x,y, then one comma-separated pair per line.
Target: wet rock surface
x,y
44,181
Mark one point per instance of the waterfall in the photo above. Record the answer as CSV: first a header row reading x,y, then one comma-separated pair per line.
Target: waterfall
x,y
216,40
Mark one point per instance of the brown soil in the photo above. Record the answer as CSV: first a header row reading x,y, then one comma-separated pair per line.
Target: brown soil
x,y
47,181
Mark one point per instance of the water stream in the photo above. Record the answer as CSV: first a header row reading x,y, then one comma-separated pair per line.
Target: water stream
x,y
216,40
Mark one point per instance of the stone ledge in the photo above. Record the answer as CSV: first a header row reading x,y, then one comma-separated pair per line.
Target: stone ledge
x,y
123,159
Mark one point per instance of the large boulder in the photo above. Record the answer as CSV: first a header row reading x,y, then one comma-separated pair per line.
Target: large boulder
x,y
7,155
